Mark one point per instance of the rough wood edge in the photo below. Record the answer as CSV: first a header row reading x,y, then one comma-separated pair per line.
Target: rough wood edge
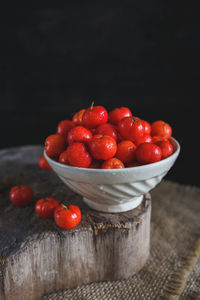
x,y
96,228
96,231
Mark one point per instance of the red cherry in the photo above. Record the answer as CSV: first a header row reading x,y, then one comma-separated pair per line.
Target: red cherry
x,y
54,145
118,114
107,129
148,153
21,195
161,128
113,163
147,127
146,138
43,163
166,148
95,116
78,156
79,134
102,147
78,117
64,127
67,217
157,138
45,207
131,128
63,158
126,151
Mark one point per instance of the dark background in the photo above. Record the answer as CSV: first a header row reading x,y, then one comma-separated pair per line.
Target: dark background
x,y
145,55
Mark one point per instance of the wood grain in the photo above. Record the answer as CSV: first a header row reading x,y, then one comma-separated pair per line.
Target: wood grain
x,y
37,257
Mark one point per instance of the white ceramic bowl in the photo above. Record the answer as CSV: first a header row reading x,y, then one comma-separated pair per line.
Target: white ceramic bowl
x,y
114,190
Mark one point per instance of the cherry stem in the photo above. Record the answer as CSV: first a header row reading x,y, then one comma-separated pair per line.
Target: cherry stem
x,y
64,206
134,119
92,105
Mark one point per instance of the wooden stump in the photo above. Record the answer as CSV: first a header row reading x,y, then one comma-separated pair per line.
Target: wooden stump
x,y
37,257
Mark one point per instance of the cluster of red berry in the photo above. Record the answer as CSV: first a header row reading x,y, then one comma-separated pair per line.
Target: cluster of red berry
x,y
95,138
65,217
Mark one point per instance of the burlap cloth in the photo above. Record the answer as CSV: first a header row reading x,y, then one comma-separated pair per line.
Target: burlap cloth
x,y
173,268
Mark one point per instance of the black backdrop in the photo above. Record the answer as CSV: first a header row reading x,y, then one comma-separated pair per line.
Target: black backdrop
x,y
143,54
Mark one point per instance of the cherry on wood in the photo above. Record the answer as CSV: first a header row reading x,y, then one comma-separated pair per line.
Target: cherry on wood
x,y
37,257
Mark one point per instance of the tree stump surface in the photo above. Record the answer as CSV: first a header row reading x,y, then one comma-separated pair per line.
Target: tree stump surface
x,y
37,257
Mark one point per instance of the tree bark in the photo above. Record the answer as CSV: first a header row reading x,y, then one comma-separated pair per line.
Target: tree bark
x,y
37,257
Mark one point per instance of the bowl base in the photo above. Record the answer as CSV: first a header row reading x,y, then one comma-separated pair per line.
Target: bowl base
x,y
121,207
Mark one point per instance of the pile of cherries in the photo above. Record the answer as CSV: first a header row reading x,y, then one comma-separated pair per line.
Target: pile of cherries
x,y
97,139
65,216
